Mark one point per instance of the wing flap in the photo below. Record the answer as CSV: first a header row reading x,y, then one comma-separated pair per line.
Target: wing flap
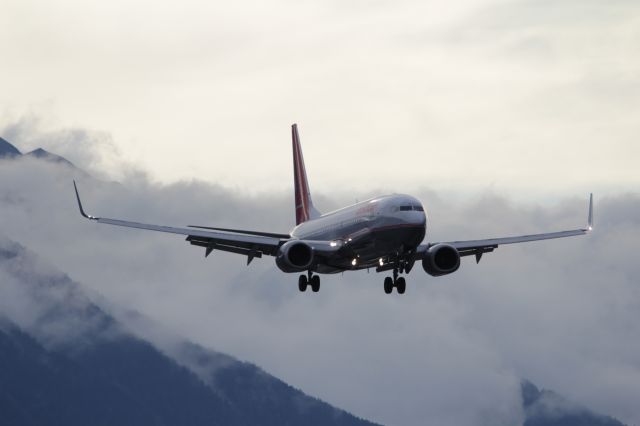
x,y
210,245
244,231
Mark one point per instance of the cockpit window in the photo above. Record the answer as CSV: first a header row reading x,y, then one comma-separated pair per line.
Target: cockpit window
x,y
410,208
407,208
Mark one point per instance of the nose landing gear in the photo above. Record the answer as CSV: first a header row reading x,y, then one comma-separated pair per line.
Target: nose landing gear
x,y
311,280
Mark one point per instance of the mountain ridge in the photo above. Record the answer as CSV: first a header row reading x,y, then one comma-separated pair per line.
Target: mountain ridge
x,y
7,150
87,368
10,151
72,363
547,408
43,154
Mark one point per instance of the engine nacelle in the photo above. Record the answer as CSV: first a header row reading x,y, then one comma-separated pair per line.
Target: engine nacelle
x,y
441,259
294,256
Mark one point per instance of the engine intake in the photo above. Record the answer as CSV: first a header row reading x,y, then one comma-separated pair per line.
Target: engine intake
x,y
294,256
441,259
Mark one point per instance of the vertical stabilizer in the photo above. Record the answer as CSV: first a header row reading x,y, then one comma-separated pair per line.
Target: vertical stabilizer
x,y
304,205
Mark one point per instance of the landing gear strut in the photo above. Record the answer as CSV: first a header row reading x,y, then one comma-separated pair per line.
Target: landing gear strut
x,y
398,282
309,279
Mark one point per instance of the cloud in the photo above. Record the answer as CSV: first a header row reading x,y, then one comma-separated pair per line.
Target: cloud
x,y
452,350
471,89
46,303
87,149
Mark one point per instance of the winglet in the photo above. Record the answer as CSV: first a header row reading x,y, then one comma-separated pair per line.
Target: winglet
x,y
590,219
80,203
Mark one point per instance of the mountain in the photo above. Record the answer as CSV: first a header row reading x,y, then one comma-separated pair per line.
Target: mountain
x,y
547,408
8,150
47,156
65,361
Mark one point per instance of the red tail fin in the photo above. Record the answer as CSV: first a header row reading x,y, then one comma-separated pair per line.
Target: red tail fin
x,y
304,205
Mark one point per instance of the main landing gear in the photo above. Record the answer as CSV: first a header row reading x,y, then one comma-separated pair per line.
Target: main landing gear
x,y
311,280
398,282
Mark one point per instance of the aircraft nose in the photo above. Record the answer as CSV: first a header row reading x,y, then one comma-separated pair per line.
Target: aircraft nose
x,y
417,218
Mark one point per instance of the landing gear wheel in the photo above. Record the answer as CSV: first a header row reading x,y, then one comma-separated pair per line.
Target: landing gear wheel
x,y
401,285
302,282
388,285
315,283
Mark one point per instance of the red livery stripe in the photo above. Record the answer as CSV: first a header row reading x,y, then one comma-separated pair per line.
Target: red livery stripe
x,y
300,179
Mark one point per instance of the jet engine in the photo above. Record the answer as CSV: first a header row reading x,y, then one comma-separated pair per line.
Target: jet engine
x,y
294,256
441,259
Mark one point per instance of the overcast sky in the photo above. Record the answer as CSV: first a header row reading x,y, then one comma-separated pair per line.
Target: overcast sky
x,y
523,95
501,116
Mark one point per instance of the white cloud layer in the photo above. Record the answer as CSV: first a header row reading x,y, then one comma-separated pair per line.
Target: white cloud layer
x,y
451,351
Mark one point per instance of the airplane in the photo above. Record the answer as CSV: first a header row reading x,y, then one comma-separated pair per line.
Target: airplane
x,y
385,233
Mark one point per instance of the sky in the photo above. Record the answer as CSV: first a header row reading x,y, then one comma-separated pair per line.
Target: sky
x,y
501,116
521,96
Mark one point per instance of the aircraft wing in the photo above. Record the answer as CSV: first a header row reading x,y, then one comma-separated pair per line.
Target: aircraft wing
x,y
479,247
249,243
